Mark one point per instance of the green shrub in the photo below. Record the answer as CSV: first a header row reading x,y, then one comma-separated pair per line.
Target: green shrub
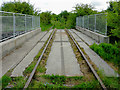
x,y
5,80
19,82
93,84
108,52
56,79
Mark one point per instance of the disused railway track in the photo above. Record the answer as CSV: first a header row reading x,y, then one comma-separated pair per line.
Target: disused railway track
x,y
34,70
75,42
87,61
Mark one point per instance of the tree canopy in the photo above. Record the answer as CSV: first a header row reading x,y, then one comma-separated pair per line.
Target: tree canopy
x,y
114,18
18,7
84,9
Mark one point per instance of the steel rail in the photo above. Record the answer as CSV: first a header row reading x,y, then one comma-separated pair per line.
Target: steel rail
x,y
92,69
33,72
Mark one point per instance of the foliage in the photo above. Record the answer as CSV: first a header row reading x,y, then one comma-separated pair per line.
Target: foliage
x,y
71,21
108,52
56,79
93,84
19,82
64,14
18,7
45,17
111,82
5,80
45,27
84,9
114,18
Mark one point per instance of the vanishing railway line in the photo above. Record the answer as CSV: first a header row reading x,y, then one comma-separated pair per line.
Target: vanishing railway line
x,y
63,71
33,72
92,69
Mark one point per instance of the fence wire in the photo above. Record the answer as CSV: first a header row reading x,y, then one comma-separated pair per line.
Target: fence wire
x,y
96,23
14,24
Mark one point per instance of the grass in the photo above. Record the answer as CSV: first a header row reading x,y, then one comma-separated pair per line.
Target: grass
x,y
110,53
18,82
45,27
5,80
57,81
83,65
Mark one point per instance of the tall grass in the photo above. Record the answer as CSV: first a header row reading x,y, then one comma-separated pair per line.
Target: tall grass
x,y
108,52
45,27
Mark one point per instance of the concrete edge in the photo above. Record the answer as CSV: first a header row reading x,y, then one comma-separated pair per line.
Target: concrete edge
x,y
9,45
95,36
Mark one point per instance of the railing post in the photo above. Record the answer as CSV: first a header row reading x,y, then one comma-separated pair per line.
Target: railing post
x,y
88,22
14,25
32,23
39,21
25,24
95,24
83,21
106,26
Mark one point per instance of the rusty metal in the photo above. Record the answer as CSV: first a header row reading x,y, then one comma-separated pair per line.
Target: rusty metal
x,y
33,72
92,69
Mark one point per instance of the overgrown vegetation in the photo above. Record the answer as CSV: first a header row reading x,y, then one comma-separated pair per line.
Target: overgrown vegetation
x,y
108,52
5,80
57,81
18,7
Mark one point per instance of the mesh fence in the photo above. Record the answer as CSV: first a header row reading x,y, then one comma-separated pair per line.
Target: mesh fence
x,y
96,23
14,24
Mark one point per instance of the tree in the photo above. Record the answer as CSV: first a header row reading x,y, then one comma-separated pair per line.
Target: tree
x,y
114,18
64,14
45,17
18,7
71,21
83,9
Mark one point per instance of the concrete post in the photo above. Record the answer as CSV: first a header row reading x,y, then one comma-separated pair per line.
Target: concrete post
x,y
14,25
32,23
95,24
106,26
25,24
88,22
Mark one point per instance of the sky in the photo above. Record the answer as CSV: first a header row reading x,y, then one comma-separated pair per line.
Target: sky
x,y
56,6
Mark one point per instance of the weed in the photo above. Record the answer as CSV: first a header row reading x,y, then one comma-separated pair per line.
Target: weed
x,y
92,84
45,27
5,80
108,52
18,82
30,68
56,79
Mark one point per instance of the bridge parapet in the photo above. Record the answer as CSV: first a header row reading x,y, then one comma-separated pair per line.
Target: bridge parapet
x,y
8,46
96,36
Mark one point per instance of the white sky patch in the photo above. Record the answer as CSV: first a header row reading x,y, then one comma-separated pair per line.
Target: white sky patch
x,y
56,6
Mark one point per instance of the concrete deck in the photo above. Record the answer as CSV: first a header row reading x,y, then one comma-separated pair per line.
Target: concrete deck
x,y
14,58
84,37
96,59
65,64
18,71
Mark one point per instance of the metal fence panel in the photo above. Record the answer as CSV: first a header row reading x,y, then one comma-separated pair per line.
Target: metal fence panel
x,y
96,23
101,23
14,24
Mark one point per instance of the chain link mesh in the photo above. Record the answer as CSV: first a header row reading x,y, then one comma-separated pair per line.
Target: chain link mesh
x,y
96,23
14,24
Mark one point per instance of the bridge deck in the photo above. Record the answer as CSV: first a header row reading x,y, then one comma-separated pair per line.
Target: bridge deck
x,y
62,60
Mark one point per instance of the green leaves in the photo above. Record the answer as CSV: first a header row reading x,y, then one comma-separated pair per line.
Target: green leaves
x,y
18,7
108,52
114,18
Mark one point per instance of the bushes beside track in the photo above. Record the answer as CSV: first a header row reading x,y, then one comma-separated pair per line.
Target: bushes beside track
x,y
108,52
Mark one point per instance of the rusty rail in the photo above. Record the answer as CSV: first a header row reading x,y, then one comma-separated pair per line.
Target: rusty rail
x,y
92,69
33,72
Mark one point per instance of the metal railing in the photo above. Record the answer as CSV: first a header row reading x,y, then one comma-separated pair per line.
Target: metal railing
x,y
15,24
96,23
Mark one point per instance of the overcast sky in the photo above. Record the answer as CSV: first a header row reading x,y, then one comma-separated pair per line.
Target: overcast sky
x,y
56,6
